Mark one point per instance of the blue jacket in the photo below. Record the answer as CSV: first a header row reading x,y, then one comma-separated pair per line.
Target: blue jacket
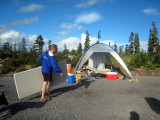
x,y
49,62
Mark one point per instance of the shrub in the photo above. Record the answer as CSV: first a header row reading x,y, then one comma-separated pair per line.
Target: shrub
x,y
21,68
76,59
131,67
150,66
13,62
157,58
6,68
134,62
127,59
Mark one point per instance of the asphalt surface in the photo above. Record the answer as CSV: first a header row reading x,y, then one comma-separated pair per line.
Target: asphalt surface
x,y
93,99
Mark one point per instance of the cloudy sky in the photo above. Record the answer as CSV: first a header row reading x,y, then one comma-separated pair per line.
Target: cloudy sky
x,y
66,21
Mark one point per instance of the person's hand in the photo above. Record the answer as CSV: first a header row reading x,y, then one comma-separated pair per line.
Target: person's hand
x,y
61,74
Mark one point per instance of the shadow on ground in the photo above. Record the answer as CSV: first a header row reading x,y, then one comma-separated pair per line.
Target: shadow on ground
x,y
17,107
154,104
59,91
134,115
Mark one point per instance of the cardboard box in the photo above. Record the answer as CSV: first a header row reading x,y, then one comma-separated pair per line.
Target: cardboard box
x,y
111,75
78,77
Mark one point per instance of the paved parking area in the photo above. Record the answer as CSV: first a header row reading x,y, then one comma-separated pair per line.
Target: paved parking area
x,y
93,99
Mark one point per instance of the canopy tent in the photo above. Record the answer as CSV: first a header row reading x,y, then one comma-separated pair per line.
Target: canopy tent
x,y
95,54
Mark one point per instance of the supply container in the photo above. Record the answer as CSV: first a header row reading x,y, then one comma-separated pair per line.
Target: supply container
x,y
111,75
78,77
69,68
70,78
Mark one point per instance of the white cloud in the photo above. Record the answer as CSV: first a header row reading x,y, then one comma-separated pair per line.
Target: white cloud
x,y
73,42
11,36
63,32
107,42
151,11
30,8
93,40
31,39
88,18
144,45
90,3
23,22
80,27
86,4
56,38
70,26
70,42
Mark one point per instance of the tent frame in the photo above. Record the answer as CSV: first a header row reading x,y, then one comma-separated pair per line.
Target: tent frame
x,y
101,48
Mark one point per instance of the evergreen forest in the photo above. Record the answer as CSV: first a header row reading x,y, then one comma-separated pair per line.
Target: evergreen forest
x,y
16,58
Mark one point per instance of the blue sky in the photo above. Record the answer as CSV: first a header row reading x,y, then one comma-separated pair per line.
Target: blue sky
x,y
66,21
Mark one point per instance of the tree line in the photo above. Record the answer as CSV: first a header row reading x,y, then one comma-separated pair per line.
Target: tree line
x,y
19,57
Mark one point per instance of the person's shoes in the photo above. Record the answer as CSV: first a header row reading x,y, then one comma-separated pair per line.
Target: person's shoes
x,y
45,99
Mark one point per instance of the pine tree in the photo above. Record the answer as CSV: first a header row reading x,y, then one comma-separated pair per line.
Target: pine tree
x,y
115,47
73,52
65,50
14,50
49,44
15,47
39,44
79,49
0,45
127,50
33,51
131,41
20,46
150,43
136,43
87,41
153,43
7,49
99,36
155,37
23,45
121,50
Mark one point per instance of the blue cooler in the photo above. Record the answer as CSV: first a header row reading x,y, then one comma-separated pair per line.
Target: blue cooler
x,y
112,70
70,78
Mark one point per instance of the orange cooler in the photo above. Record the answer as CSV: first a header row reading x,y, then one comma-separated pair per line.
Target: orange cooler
x,y
69,68
111,75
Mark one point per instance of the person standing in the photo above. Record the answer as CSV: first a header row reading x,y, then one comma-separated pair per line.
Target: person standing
x,y
49,64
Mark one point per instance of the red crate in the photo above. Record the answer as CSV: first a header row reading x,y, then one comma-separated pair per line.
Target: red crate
x,y
111,75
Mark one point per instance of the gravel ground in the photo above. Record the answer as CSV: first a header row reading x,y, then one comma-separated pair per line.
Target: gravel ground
x,y
93,99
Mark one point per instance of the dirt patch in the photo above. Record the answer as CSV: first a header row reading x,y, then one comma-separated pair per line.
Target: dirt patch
x,y
144,72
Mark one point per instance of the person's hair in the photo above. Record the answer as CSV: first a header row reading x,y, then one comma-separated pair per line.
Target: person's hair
x,y
52,46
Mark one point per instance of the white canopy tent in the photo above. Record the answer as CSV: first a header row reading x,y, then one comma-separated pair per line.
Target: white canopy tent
x,y
95,54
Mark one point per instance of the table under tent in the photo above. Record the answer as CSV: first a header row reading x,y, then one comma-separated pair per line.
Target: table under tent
x,y
95,55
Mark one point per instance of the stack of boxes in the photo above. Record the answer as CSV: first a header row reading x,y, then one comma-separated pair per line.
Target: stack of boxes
x,y
78,77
